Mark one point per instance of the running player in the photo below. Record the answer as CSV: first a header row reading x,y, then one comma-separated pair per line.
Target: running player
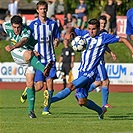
x,y
102,78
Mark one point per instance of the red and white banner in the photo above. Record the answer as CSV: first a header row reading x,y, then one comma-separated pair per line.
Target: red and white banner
x,y
121,26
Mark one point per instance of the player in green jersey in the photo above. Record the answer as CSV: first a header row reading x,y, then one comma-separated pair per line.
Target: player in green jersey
x,y
21,49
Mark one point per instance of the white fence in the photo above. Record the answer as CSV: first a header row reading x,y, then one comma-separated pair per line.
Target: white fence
x,y
119,73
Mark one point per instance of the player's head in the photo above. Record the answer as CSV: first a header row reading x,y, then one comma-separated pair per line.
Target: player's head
x,y
93,27
42,8
16,22
103,21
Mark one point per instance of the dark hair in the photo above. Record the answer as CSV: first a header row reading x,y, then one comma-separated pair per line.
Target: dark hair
x,y
94,21
103,17
41,3
16,20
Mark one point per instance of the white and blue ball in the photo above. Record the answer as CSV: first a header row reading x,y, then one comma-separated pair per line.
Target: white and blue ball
x,y
78,43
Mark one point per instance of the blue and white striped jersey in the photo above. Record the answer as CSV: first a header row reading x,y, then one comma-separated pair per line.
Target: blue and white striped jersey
x,y
45,35
95,49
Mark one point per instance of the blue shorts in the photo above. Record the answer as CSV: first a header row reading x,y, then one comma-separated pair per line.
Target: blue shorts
x,y
82,84
102,73
40,77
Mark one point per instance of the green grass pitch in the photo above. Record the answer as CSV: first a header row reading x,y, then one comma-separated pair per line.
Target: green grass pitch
x,y
67,116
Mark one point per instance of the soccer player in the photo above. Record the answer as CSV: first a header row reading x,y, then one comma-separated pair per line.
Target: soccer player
x,y
67,59
21,49
90,59
102,77
129,28
46,32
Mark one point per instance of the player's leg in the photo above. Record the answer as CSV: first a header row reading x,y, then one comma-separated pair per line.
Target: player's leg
x,y
48,93
81,96
30,91
94,85
30,57
105,83
79,82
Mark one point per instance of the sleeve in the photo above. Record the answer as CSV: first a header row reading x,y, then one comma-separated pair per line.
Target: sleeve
x,y
109,39
56,31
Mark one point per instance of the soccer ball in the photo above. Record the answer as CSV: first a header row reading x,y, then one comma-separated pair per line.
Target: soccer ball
x,y
78,43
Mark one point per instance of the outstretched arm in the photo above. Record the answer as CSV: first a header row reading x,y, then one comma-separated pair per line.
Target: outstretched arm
x,y
70,34
127,43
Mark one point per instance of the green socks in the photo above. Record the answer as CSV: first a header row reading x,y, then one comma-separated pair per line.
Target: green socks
x,y
31,98
37,64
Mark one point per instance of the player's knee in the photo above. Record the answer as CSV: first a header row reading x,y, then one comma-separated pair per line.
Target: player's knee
x,y
81,102
27,55
39,86
71,86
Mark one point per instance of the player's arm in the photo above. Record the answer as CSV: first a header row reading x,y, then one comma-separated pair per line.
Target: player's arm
x,y
60,60
72,61
111,53
70,34
56,42
17,45
127,43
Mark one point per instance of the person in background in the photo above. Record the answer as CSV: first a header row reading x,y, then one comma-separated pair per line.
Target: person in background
x,y
53,17
21,49
75,22
63,32
129,28
8,16
81,10
68,20
110,13
13,7
84,24
46,32
67,59
23,18
51,8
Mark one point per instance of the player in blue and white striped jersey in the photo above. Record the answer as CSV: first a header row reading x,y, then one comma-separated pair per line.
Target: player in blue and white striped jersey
x,y
90,59
102,77
46,32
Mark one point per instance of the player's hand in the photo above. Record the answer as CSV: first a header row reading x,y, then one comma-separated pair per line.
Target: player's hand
x,y
56,42
113,56
36,53
9,48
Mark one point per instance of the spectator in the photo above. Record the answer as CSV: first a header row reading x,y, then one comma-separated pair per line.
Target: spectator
x,y
84,24
53,17
63,32
8,16
67,60
81,9
75,22
68,20
23,18
110,13
51,8
13,7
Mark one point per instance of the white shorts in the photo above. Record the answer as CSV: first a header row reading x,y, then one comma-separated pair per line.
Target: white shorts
x,y
17,55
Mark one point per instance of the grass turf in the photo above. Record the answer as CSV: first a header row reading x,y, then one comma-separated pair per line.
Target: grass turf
x,y
67,116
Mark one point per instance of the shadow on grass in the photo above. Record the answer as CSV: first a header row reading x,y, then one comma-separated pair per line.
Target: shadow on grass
x,y
122,117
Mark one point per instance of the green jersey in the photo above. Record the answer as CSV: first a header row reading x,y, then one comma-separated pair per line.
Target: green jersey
x,y
25,33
